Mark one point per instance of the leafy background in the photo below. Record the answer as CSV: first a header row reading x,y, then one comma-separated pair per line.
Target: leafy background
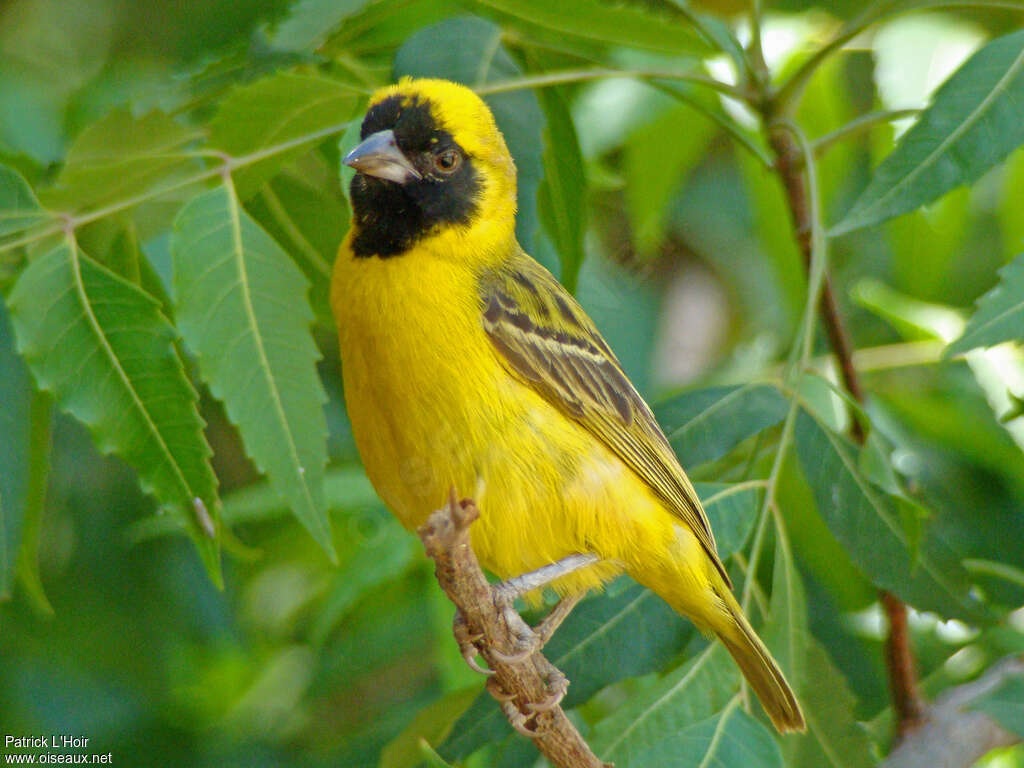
x,y
170,204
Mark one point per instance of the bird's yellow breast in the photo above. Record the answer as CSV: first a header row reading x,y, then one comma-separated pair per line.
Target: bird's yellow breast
x,y
433,408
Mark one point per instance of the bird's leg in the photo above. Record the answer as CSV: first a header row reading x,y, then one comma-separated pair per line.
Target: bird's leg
x,y
508,591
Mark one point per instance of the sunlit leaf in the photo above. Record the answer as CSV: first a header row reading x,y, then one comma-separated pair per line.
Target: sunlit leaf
x,y
102,347
302,211
310,22
865,521
561,197
708,423
19,208
1000,314
243,311
285,111
975,120
616,24
121,156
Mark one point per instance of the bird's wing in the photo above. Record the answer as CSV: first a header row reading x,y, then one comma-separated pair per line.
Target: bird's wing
x,y
546,339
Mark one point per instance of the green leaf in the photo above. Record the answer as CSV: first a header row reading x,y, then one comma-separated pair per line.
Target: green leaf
x,y
561,199
15,401
786,633
301,209
732,510
19,208
658,159
834,738
119,157
431,725
34,503
284,109
976,119
615,24
469,50
693,692
865,522
1005,704
310,22
102,347
605,639
729,738
1000,315
708,423
243,311
377,560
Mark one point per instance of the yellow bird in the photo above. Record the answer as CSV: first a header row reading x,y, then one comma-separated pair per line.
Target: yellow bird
x,y
467,365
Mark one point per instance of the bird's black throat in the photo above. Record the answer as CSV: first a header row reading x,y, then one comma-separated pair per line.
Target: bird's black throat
x,y
390,217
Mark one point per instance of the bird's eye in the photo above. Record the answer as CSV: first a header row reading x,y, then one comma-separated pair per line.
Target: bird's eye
x,y
448,161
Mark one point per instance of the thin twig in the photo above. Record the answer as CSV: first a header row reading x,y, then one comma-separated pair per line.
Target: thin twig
x,y
521,683
789,164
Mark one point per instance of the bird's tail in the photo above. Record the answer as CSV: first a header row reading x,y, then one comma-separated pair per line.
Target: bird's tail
x,y
758,666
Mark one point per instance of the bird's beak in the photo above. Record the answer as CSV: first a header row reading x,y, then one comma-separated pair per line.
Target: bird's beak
x,y
380,156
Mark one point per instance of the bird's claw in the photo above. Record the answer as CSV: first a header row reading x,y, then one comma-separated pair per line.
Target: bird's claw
x,y
558,684
467,641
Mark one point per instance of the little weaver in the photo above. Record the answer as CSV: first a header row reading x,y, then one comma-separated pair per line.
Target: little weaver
x,y
467,365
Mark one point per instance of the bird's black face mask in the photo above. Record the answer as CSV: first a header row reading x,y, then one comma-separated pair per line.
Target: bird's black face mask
x,y
412,178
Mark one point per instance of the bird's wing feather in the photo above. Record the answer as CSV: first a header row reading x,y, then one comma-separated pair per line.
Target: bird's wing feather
x,y
546,339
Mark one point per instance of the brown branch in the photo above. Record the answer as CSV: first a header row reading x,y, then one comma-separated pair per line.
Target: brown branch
x,y
951,735
517,684
899,655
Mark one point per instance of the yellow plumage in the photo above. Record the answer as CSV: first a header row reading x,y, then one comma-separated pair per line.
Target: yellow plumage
x,y
466,365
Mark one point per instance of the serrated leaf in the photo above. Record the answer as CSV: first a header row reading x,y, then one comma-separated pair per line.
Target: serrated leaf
x,y
121,156
693,692
19,208
283,109
728,738
243,310
101,346
302,211
469,50
975,120
863,519
1000,314
834,738
561,198
1005,704
658,158
605,23
604,640
708,423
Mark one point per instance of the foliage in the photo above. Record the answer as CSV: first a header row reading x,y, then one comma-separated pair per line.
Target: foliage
x,y
171,197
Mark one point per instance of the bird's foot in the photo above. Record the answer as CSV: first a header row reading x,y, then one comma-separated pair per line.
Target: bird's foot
x,y
558,686
468,643
521,717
